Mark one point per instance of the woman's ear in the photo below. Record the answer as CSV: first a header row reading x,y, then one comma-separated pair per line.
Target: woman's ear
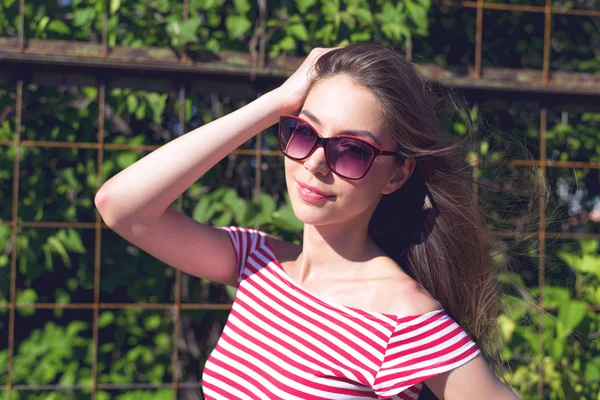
x,y
401,172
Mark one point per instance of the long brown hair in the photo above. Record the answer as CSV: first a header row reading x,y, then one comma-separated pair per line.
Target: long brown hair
x,y
433,226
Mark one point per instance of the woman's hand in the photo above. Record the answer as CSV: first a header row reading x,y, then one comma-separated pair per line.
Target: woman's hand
x,y
294,90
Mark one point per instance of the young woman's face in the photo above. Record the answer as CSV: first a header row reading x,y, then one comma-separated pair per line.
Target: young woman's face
x,y
333,107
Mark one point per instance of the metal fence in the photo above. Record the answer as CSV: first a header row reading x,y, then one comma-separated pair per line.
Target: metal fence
x,y
244,76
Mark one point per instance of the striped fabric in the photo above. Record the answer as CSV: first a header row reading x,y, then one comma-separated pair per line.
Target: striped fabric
x,y
283,342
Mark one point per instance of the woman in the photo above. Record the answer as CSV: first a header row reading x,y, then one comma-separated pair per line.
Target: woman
x,y
393,287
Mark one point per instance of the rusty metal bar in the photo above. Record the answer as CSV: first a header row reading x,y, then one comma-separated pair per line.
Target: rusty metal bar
x,y
547,38
98,236
478,40
52,224
275,153
118,306
21,26
177,288
92,225
103,386
523,8
115,146
82,57
104,50
138,306
542,246
14,234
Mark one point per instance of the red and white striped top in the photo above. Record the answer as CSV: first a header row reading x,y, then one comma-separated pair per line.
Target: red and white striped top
x,y
283,342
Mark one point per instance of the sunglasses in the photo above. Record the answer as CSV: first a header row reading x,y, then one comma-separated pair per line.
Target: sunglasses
x,y
347,156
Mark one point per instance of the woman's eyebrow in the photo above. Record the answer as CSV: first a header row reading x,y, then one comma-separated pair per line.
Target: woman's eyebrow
x,y
353,132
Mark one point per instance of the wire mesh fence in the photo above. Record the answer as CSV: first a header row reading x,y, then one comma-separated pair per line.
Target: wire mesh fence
x,y
84,77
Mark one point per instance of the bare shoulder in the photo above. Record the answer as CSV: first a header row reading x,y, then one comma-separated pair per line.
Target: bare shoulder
x,y
282,249
406,296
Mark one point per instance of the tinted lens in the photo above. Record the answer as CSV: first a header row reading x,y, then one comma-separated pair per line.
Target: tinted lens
x,y
296,138
348,157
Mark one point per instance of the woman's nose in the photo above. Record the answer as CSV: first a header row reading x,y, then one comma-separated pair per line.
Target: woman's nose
x,y
316,163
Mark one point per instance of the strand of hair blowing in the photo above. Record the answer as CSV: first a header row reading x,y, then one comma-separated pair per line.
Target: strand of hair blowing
x,y
432,226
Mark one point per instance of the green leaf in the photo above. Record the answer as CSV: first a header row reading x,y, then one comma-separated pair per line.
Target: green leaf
x,y
286,220
304,5
163,340
395,31
114,6
201,211
27,296
570,315
140,113
224,219
365,15
237,25
152,322
74,328
330,10
235,204
43,23
507,327
558,348
231,291
298,30
261,213
213,20
590,264
126,158
59,27
71,239
418,14
360,36
83,16
267,203
592,370
157,104
182,33
132,103
47,258
589,246
555,296
105,319
242,6
287,43
207,4
57,247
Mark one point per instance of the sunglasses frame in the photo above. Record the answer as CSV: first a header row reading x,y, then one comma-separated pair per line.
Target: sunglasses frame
x,y
324,142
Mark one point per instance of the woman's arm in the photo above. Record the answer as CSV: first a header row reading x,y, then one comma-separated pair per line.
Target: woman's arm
x,y
135,203
471,381
147,188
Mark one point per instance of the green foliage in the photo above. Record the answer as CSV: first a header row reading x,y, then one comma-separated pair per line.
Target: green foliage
x,y
224,207
51,354
214,25
570,336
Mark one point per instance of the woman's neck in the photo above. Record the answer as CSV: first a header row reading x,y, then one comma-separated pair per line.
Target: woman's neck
x,y
334,251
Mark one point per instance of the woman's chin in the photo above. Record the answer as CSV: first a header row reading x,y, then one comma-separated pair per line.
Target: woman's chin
x,y
309,214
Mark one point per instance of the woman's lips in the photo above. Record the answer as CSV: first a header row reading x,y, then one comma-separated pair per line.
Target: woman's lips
x,y
311,194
